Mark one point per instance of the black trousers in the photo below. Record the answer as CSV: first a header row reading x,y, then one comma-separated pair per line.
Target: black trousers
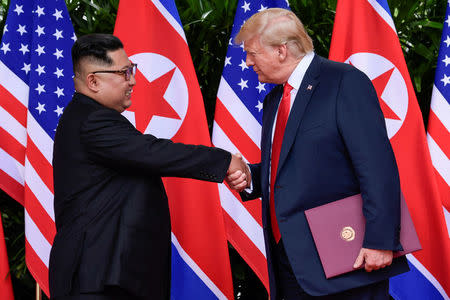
x,y
289,289
109,293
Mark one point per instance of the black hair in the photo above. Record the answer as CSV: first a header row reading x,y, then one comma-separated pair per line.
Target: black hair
x,y
94,47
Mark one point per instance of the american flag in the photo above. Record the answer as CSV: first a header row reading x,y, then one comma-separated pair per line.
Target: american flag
x,y
439,120
237,128
35,86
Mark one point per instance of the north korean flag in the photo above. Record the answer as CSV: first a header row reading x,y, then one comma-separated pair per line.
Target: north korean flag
x,y
167,103
364,35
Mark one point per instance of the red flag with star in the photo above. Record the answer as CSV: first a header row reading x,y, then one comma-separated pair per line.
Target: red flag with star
x,y
380,83
6,291
167,103
364,35
145,110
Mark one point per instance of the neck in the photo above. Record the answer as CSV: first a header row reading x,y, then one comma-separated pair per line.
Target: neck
x,y
289,67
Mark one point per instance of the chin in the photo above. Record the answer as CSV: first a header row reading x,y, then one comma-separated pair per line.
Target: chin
x,y
127,105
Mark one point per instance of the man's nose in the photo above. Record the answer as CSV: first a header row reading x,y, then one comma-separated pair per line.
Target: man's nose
x,y
132,80
248,61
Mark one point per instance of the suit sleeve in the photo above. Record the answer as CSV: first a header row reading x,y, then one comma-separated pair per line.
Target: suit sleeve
x,y
362,127
110,139
255,170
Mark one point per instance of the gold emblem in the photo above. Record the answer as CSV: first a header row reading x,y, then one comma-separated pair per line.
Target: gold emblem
x,y
348,234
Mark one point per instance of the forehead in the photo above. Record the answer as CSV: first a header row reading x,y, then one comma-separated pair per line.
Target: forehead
x,y
252,44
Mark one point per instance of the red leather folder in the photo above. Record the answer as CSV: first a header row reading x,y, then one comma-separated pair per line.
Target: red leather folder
x,y
338,231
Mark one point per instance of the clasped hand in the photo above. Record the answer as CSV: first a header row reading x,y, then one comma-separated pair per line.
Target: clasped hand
x,y
373,259
238,175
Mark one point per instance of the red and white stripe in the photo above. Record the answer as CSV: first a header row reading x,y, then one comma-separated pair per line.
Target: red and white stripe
x,y
13,136
236,130
438,138
26,173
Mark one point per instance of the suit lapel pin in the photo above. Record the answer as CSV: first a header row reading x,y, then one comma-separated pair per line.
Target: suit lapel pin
x,y
309,88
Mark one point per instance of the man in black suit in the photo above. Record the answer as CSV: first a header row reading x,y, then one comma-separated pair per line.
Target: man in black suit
x,y
111,209
323,138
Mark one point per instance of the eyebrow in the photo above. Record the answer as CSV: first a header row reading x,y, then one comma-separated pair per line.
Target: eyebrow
x,y
126,66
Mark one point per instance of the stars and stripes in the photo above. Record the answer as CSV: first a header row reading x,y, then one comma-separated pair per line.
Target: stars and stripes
x,y
237,128
35,86
439,120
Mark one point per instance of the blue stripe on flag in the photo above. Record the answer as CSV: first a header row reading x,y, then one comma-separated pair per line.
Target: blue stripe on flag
x,y
385,5
419,287
185,282
172,9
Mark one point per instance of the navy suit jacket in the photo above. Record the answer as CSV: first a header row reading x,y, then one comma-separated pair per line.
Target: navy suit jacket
x,y
335,145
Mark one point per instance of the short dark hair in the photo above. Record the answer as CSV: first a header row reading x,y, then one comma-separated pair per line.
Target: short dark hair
x,y
94,47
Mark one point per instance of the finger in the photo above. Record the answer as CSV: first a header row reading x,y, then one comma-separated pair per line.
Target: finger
x,y
372,264
235,175
238,155
368,268
239,180
386,263
240,187
359,260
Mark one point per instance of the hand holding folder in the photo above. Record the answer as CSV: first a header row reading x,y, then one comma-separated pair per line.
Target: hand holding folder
x,y
373,259
338,231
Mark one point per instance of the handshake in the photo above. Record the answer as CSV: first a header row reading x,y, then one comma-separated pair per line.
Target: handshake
x,y
238,175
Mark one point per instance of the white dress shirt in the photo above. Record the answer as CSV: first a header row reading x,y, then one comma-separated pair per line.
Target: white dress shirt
x,y
295,80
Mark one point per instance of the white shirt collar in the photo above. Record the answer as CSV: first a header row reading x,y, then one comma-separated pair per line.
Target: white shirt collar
x,y
296,78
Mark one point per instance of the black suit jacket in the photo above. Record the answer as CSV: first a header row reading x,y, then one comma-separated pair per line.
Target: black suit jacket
x,y
335,145
111,209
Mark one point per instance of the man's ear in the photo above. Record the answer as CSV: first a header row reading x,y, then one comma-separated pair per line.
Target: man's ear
x,y
92,82
282,52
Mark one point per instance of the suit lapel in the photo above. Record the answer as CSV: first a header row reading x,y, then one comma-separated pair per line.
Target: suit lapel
x,y
270,110
309,84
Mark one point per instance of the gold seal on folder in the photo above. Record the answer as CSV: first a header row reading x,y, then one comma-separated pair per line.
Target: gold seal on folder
x,y
348,234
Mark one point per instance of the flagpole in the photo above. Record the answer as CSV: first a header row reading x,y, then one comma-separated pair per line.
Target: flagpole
x,y
38,292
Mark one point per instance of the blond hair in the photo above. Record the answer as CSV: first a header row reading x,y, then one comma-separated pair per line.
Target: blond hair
x,y
277,26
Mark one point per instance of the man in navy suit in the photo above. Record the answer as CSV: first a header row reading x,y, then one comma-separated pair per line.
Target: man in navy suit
x,y
323,139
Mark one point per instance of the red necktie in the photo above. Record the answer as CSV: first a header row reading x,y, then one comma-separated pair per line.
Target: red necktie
x,y
283,114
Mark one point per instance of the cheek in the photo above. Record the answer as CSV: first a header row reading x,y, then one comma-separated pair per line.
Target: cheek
x,y
112,85
118,87
262,65
256,62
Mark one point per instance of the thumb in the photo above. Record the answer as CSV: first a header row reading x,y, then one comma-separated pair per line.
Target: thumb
x,y
359,260
238,155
